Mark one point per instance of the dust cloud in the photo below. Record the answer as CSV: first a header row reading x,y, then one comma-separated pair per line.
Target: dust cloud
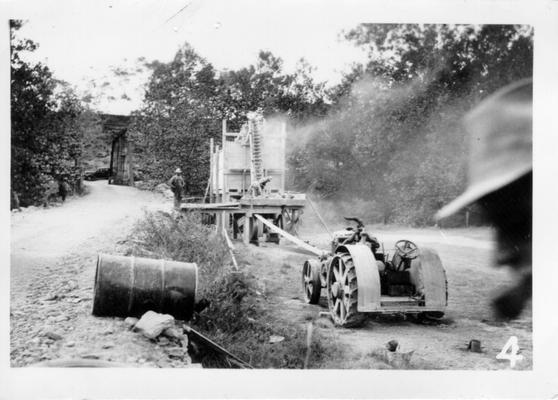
x,y
384,133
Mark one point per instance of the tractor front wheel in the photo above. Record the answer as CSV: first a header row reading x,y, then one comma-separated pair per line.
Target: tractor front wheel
x,y
342,291
311,283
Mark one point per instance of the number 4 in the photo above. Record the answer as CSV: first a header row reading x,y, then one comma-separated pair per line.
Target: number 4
x,y
513,348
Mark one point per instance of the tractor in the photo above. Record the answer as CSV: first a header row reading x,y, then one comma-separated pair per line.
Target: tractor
x,y
360,277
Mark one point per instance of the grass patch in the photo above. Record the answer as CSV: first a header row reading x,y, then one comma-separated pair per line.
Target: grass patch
x,y
181,237
238,316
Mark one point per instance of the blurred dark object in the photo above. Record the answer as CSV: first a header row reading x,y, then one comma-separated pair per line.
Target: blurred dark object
x,y
14,201
474,346
392,345
501,183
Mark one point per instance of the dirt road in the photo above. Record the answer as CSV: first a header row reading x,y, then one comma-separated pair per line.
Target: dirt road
x,y
53,253
472,281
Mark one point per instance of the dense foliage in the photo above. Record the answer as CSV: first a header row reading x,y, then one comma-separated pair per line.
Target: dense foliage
x,y
237,315
388,137
389,134
46,126
393,136
186,100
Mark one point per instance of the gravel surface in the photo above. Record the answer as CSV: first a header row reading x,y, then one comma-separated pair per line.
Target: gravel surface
x,y
53,256
53,259
472,281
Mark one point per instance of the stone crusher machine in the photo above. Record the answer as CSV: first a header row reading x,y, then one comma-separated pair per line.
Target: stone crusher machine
x,y
360,277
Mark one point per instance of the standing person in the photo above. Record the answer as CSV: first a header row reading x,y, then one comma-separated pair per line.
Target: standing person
x,y
501,182
62,189
176,184
14,200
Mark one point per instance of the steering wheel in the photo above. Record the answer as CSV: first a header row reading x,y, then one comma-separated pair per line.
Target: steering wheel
x,y
406,249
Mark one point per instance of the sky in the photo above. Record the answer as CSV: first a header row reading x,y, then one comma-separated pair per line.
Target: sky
x,y
87,43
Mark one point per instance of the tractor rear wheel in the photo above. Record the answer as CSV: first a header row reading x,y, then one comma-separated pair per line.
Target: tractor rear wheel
x,y
311,283
342,291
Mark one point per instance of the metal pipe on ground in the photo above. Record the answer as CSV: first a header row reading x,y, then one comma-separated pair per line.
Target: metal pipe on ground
x,y
195,335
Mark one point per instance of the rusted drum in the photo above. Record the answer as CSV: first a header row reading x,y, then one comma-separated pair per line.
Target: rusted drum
x,y
131,286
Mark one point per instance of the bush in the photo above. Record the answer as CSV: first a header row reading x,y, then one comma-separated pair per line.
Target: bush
x,y
239,319
182,237
238,316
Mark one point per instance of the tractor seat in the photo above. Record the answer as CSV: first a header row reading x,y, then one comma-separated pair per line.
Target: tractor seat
x,y
397,283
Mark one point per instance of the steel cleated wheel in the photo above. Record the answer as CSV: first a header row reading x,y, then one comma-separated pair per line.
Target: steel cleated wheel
x,y
342,291
311,283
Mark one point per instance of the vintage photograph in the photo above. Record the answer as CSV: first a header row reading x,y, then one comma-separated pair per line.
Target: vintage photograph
x,y
227,185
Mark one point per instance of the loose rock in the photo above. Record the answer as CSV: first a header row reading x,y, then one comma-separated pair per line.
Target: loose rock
x,y
152,324
276,339
71,285
325,323
53,296
60,318
176,352
90,356
173,333
52,335
131,322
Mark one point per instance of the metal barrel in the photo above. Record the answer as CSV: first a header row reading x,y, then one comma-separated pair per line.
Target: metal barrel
x,y
131,286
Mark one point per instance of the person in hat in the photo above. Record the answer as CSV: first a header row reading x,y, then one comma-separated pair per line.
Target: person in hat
x,y
500,180
257,187
176,183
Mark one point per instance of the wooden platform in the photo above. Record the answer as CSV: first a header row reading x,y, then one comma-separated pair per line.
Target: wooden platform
x,y
210,207
295,202
241,216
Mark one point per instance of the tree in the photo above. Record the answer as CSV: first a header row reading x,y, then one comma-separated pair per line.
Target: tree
x,y
182,111
45,134
396,118
187,98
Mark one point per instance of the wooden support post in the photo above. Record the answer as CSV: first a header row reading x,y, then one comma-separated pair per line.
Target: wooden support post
x,y
283,150
218,222
211,168
231,249
234,225
130,149
217,175
247,227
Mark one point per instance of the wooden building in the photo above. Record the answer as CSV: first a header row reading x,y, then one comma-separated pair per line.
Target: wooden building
x,y
245,157
256,151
